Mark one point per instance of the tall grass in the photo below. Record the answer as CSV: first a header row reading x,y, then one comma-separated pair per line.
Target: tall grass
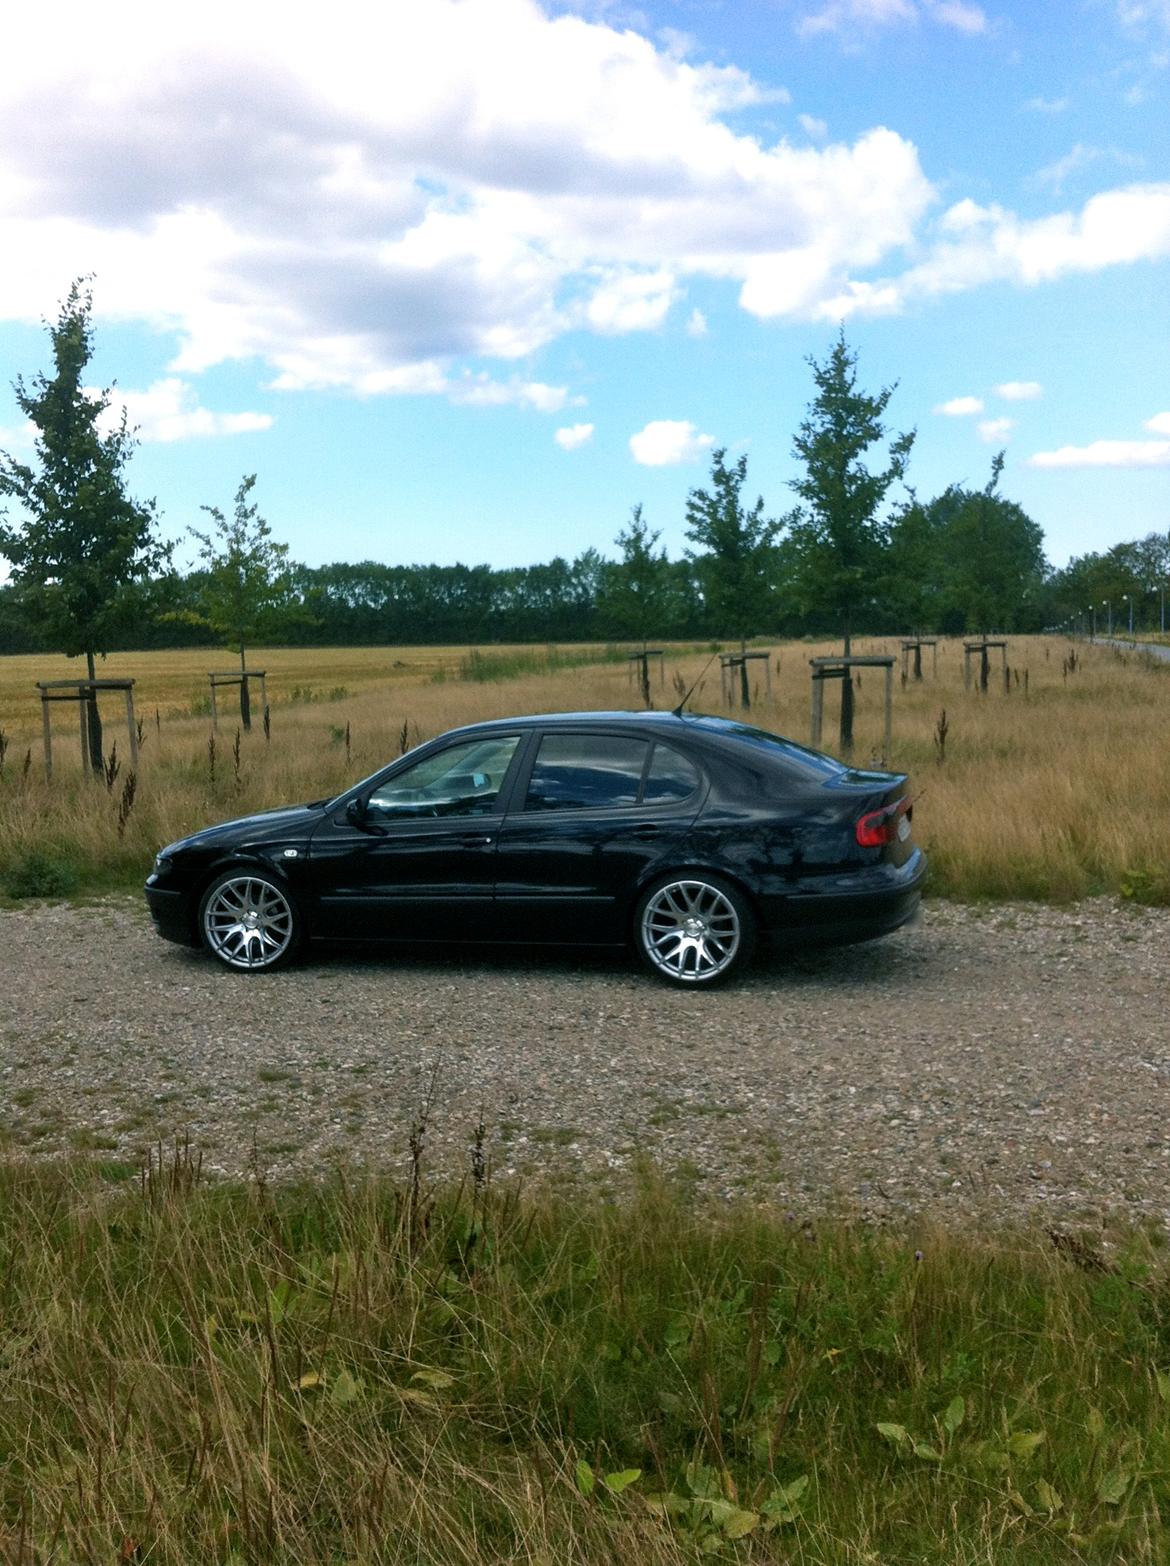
x,y
371,1372
1053,790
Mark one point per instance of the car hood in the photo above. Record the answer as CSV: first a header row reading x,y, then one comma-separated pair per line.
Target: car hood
x,y
291,822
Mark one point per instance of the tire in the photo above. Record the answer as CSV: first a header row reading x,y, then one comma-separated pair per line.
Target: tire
x,y
250,922
694,930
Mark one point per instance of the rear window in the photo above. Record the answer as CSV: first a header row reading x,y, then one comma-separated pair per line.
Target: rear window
x,y
671,776
603,771
586,771
809,764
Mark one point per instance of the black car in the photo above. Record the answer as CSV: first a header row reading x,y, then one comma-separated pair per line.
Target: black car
x,y
688,836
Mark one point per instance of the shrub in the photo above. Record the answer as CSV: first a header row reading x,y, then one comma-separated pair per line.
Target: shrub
x,y
40,874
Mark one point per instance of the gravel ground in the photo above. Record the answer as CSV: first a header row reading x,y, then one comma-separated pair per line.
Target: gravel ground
x,y
1005,1062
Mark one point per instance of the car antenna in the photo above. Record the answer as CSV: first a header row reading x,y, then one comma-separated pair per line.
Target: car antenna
x,y
677,712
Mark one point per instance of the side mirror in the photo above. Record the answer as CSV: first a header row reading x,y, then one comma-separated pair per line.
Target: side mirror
x,y
355,812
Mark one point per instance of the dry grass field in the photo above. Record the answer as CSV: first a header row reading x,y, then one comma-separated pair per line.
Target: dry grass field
x,y
1056,788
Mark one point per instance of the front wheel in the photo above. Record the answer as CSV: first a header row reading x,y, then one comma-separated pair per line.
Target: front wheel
x,y
249,921
694,930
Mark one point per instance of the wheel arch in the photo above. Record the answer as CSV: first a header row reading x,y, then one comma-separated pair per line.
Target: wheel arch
x,y
239,860
677,870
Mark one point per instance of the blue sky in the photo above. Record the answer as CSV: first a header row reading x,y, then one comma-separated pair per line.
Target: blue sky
x,y
467,279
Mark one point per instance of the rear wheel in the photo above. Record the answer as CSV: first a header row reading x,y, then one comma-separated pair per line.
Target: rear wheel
x,y
249,921
694,930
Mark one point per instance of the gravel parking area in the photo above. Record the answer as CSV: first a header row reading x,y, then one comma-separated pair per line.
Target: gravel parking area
x,y
1003,1061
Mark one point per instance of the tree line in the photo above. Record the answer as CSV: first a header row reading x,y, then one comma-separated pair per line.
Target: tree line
x,y
859,552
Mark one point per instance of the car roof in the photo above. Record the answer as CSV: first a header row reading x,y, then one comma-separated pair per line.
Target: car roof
x,y
579,720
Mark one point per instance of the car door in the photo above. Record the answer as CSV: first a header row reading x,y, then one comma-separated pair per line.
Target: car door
x,y
591,814
414,857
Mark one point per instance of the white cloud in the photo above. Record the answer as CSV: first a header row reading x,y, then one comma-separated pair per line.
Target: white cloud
x,y
169,410
995,429
960,407
978,245
1106,454
1159,424
20,436
478,178
1077,158
812,127
1144,14
632,302
1019,391
573,435
480,391
697,324
958,14
1047,105
665,442
847,16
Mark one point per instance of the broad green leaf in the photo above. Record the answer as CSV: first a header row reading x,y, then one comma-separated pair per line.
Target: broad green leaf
x,y
667,1505
1163,1380
701,1480
1019,1502
740,1524
931,1454
309,1380
794,1491
1112,1487
711,1544
1024,1442
622,1480
718,1510
1049,1500
344,1389
956,1412
1095,1423
585,1479
439,1379
772,1353
678,1334
896,1433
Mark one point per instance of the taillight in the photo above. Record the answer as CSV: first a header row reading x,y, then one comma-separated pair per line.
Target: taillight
x,y
884,826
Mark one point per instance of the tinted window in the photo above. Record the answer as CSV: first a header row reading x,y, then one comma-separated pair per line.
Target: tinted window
x,y
462,780
799,759
586,772
671,776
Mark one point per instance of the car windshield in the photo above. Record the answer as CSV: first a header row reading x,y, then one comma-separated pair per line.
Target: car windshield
x,y
811,762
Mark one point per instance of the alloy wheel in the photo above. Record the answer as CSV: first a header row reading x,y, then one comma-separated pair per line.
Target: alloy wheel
x,y
691,931
248,922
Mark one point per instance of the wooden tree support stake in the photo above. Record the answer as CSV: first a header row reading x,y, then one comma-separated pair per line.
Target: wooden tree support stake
x,y
842,669
83,692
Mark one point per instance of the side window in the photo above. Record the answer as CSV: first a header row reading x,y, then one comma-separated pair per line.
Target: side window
x,y
586,772
462,780
671,776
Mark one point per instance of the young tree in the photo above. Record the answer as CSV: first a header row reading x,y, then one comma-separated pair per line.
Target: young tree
x,y
636,586
993,553
83,539
838,535
245,578
737,564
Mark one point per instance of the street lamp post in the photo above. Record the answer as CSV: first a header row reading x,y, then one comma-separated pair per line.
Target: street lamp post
x,y
1108,604
1092,622
1128,598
